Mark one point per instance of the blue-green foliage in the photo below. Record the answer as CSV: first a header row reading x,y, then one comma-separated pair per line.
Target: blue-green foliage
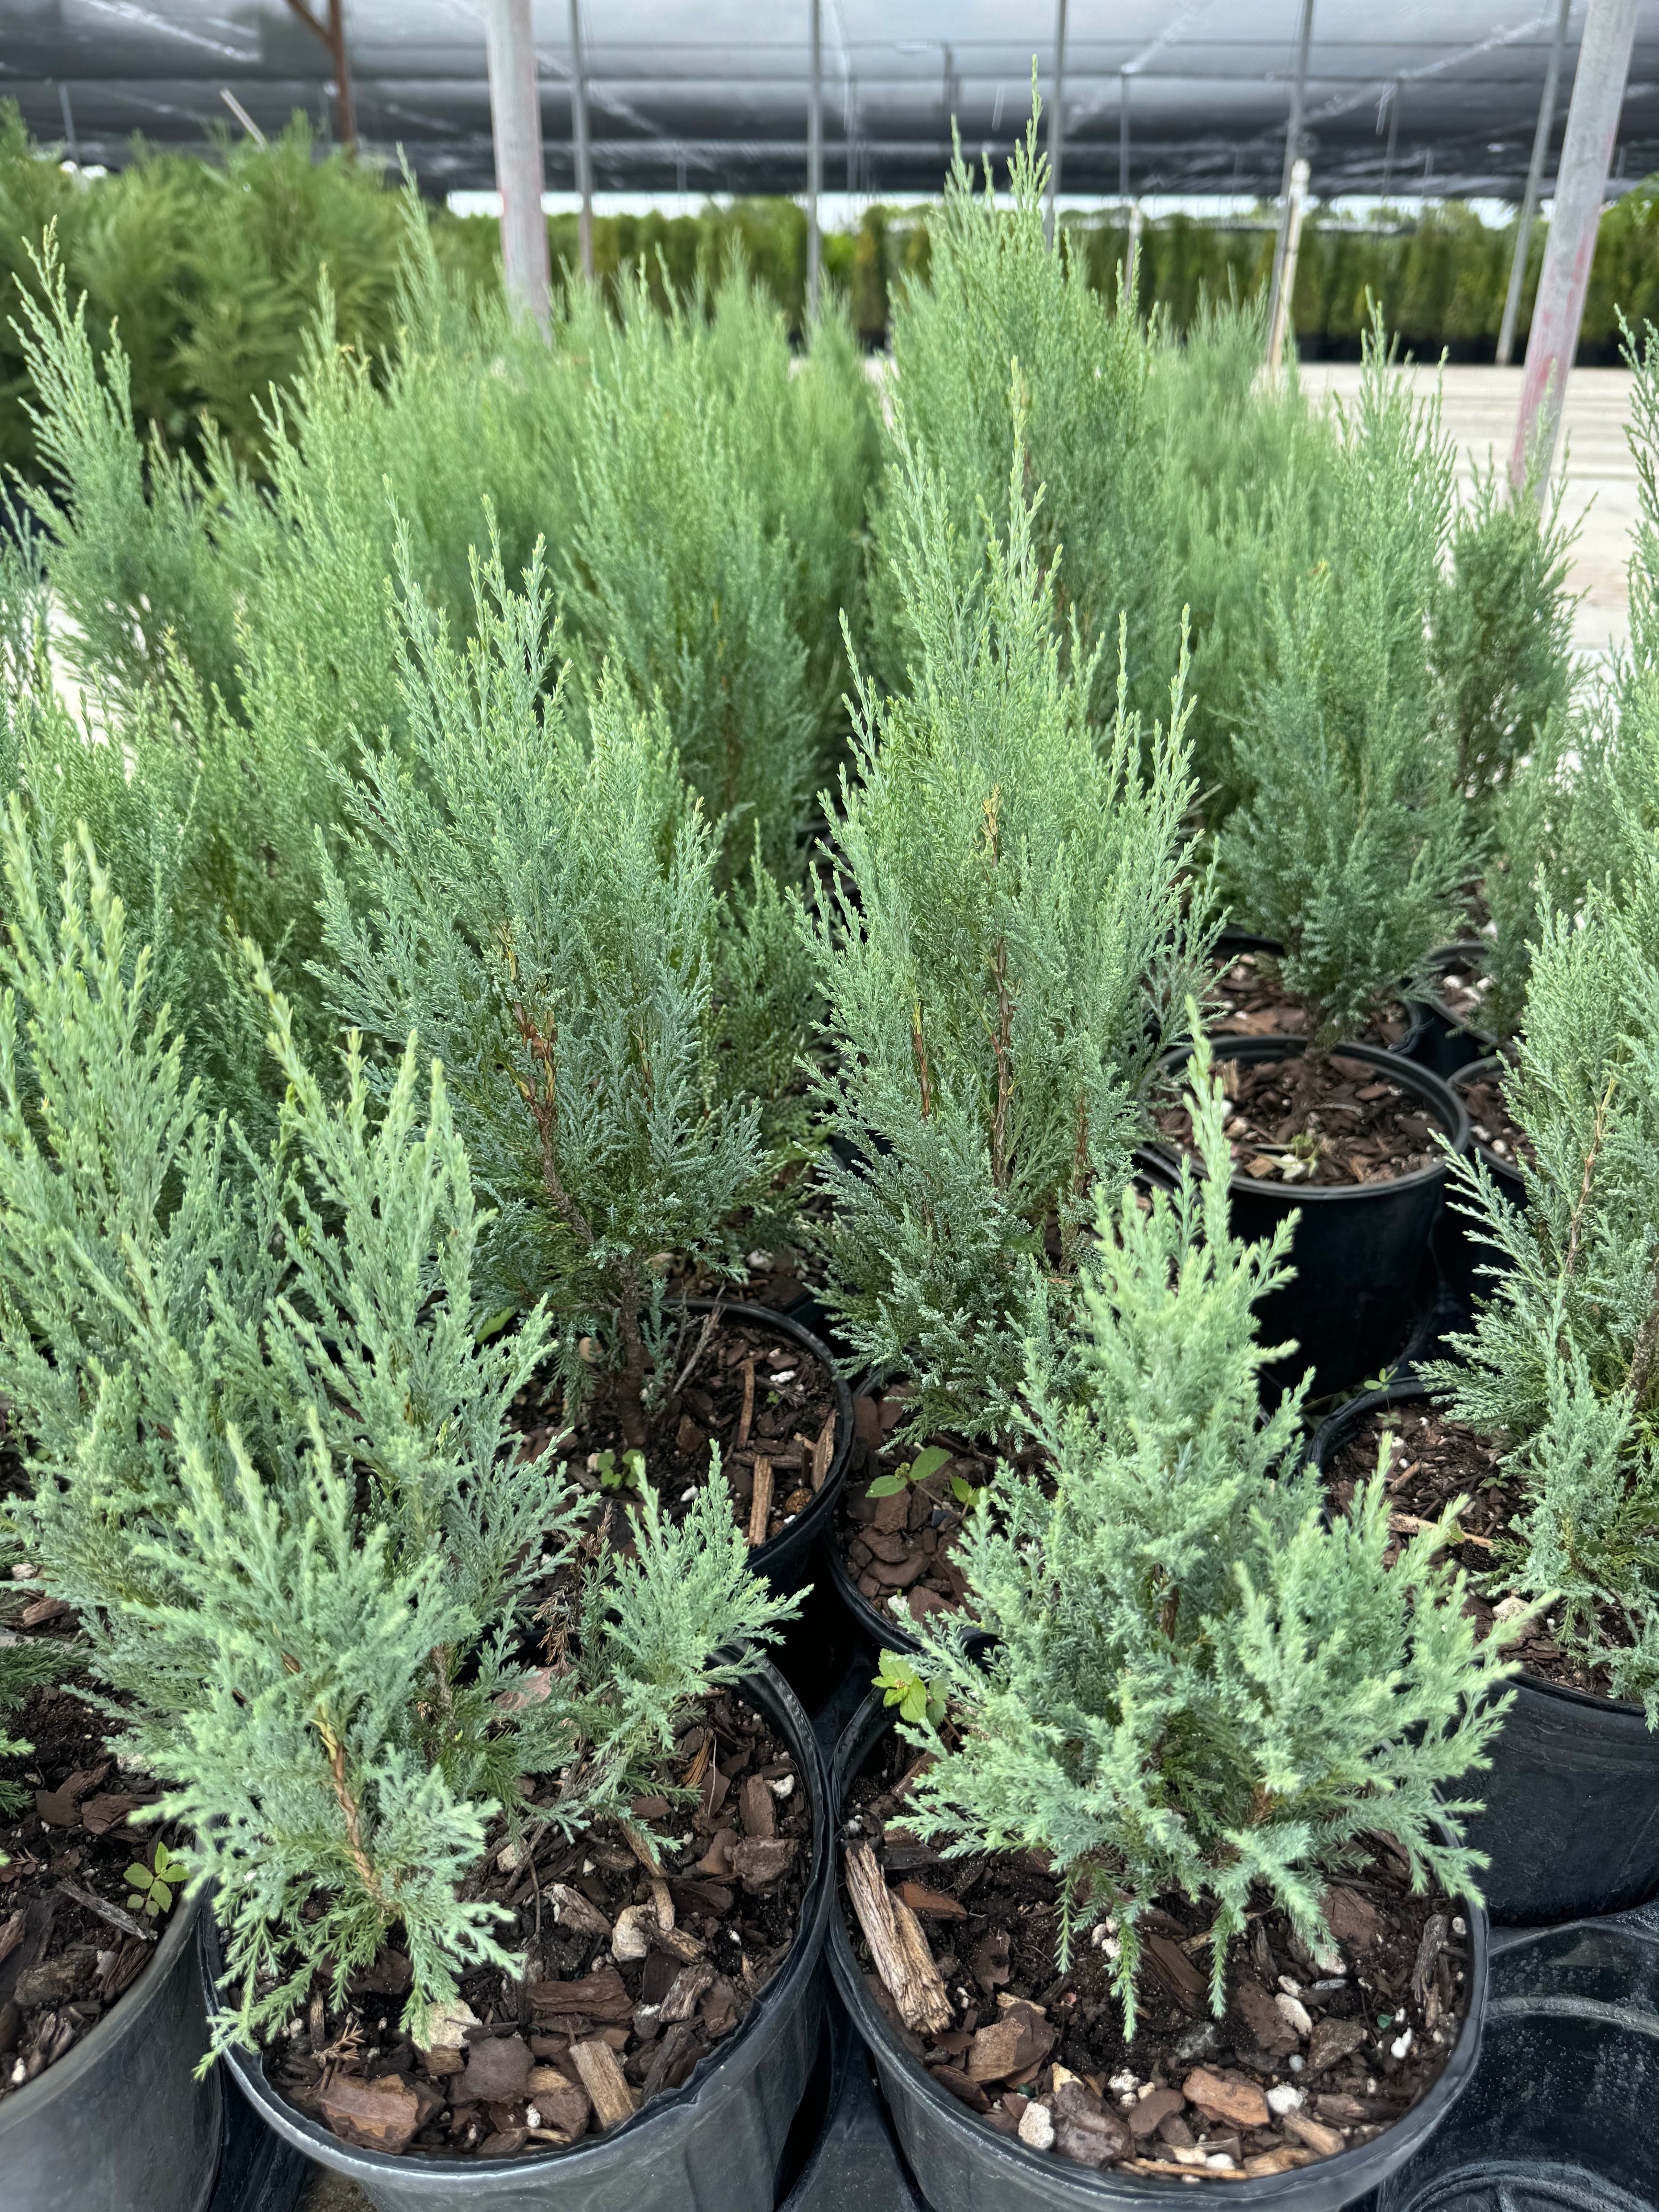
x,y
1200,1682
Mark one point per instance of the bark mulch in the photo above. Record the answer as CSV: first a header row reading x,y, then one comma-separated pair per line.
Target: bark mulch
x,y
1312,2056
1357,1126
633,1973
1432,1460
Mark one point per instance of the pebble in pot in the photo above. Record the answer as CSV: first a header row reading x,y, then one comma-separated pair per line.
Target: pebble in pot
x,y
1069,1978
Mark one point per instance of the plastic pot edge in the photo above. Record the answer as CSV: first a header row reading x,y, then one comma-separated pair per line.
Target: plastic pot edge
x,y
1449,1111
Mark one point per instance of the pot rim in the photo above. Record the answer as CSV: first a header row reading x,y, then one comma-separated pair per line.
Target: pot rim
x,y
1448,1109
1493,1062
1108,2183
1441,958
122,2020
321,2144
1404,1390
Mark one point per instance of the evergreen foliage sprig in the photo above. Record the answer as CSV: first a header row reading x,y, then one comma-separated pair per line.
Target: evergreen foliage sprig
x,y
995,293
541,903
1354,844
1562,1364
1003,941
1199,1682
273,1473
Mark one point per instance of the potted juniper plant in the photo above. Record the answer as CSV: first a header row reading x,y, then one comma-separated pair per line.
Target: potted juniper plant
x,y
1003,936
475,1864
1129,1893
536,890
1545,1411
1501,653
1350,852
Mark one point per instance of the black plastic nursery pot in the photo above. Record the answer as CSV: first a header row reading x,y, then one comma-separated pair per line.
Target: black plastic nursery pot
x,y
1461,1255
716,2144
1571,1815
1359,1253
121,2123
1441,1041
1556,2114
962,2166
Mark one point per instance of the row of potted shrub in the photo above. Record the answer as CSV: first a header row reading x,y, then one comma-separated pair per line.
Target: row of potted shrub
x,y
411,1516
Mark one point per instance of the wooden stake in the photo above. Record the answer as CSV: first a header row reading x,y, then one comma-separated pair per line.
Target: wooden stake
x,y
897,1945
760,1512
602,2078
748,1413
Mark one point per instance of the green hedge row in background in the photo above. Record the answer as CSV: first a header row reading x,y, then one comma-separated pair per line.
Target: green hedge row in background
x,y
212,268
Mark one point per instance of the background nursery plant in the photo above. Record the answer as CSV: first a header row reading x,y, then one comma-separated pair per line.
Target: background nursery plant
x,y
1561,1368
271,1471
542,904
1198,1685
1003,939
1354,843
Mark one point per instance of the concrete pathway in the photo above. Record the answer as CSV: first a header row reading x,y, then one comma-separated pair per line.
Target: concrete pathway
x,y
1481,406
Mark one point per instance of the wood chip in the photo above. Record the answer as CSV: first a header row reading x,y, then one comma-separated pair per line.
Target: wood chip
x,y
748,1412
1435,1929
577,1913
686,1992
1227,2097
823,1449
1325,2140
602,2077
594,1996
760,1511
757,1808
897,1945
1284,2159
931,1903
380,2115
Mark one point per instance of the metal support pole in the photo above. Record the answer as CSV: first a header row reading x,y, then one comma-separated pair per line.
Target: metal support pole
x,y
71,145
1598,95
814,164
1056,120
515,115
1394,98
1123,134
1541,146
581,145
1293,154
333,35
1286,293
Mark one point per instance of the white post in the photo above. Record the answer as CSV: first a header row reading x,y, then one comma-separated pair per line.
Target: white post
x,y
1541,146
580,147
1056,119
814,165
515,113
1293,154
1123,134
1598,95
1286,292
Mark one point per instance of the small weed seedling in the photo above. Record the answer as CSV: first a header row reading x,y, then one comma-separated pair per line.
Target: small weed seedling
x,y
917,1473
153,1886
630,1475
906,1689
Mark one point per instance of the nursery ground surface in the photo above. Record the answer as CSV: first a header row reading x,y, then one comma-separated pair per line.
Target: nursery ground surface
x,y
1493,1124
68,1947
1356,1127
1311,2056
630,1978
1254,1003
768,1405
1433,1460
